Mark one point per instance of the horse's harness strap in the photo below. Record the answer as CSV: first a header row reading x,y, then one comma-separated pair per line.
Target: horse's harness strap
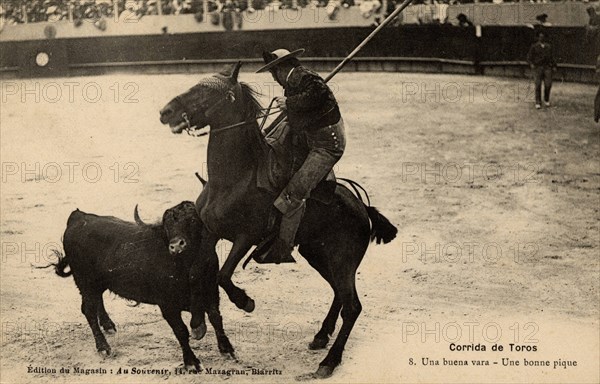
x,y
229,97
220,129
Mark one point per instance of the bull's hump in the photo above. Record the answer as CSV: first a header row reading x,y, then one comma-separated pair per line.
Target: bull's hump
x,y
75,216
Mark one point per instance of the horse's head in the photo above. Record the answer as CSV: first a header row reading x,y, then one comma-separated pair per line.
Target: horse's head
x,y
210,102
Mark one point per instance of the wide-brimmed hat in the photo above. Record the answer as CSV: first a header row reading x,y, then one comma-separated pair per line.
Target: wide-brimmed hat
x,y
278,56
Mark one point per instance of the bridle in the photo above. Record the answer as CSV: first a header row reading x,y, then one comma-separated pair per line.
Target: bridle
x,y
229,97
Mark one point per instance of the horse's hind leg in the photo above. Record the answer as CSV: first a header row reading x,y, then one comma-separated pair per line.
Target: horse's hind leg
x,y
337,262
322,337
105,321
351,308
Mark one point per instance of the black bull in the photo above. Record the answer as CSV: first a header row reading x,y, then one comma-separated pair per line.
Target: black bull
x,y
145,263
333,238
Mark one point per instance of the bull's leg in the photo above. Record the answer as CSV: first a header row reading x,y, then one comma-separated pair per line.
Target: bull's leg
x,y
173,317
214,315
206,265
105,321
206,297
241,246
89,308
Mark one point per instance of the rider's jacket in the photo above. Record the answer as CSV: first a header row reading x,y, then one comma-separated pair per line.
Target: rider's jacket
x,y
310,102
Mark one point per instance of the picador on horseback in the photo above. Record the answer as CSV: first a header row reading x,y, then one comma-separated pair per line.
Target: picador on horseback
x,y
247,172
313,114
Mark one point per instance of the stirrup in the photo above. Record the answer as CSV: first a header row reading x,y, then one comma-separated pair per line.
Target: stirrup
x,y
261,249
279,253
264,246
263,255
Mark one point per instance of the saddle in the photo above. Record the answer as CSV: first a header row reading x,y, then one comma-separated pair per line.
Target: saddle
x,y
285,152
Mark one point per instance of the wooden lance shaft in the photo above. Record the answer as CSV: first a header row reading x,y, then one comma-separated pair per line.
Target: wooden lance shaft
x,y
360,46
397,11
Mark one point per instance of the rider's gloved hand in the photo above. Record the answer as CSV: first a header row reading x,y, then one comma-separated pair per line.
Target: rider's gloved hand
x,y
281,102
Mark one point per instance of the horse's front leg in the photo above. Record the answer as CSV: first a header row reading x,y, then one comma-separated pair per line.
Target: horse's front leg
x,y
203,282
238,296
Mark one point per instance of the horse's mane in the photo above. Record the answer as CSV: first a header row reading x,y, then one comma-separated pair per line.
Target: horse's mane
x,y
252,105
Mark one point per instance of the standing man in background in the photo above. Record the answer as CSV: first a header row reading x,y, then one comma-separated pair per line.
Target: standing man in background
x,y
541,61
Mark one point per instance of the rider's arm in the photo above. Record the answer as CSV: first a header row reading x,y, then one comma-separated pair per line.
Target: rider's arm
x,y
314,93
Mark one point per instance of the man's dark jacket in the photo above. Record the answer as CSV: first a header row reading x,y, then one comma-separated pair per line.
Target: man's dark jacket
x,y
540,55
310,102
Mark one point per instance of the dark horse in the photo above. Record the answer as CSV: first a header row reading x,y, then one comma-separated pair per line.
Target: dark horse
x,y
333,238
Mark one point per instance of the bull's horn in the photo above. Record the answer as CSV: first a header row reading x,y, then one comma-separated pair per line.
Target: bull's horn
x,y
137,218
202,180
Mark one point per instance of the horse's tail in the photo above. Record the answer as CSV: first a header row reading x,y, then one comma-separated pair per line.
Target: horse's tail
x,y
59,266
382,230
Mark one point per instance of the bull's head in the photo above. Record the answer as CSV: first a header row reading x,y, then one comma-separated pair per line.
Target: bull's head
x,y
181,225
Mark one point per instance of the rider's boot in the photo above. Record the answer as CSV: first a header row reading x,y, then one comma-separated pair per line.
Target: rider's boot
x,y
281,250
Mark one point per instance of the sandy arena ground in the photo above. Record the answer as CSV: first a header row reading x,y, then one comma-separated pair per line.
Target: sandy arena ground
x,y
497,206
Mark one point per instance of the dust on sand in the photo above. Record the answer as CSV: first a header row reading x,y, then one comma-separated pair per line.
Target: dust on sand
x,y
497,206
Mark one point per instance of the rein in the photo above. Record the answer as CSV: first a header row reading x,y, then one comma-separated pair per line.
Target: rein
x,y
192,131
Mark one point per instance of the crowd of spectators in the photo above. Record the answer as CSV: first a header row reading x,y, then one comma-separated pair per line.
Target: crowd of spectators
x,y
227,12
31,11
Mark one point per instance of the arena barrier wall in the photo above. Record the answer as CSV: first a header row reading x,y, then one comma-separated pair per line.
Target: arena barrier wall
x,y
433,48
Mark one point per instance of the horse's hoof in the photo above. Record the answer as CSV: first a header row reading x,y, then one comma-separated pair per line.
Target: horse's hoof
x,y
104,351
324,372
318,344
249,307
199,332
